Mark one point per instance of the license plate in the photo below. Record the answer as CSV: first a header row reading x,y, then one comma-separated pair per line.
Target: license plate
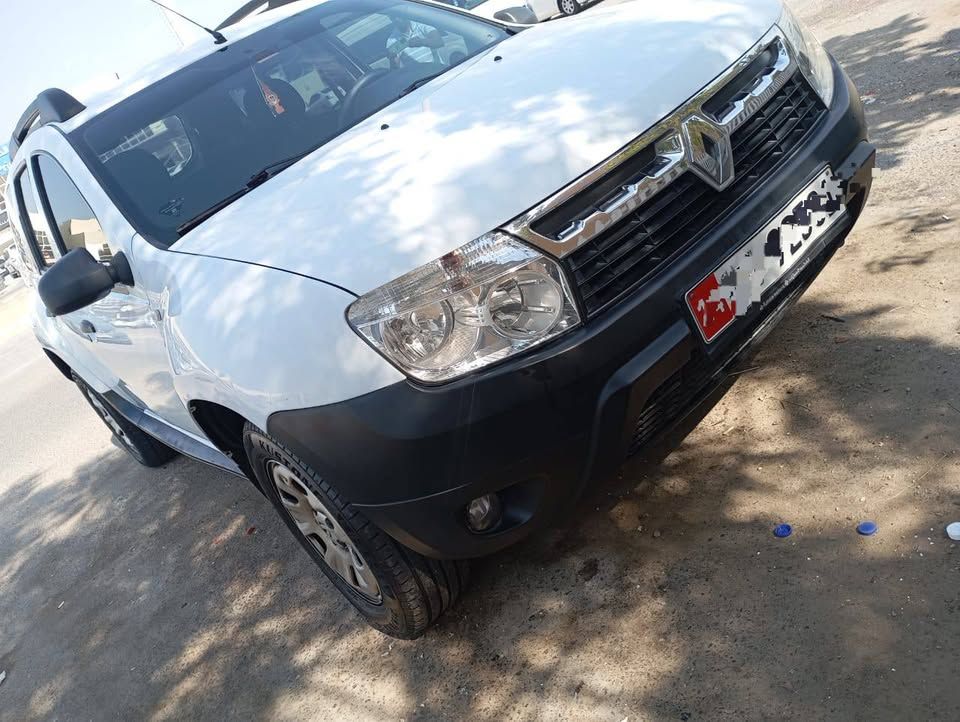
x,y
750,273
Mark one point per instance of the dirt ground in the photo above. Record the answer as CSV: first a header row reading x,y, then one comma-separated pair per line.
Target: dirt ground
x,y
175,593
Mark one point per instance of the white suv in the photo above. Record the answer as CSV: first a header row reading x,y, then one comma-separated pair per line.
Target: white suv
x,y
421,300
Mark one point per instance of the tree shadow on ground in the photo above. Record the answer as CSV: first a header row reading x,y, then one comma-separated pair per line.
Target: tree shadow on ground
x,y
171,609
907,85
148,594
713,616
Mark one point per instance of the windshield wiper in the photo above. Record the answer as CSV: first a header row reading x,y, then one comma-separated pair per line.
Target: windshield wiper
x,y
269,171
257,179
422,81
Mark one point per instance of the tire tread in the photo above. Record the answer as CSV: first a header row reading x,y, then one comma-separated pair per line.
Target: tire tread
x,y
149,451
425,588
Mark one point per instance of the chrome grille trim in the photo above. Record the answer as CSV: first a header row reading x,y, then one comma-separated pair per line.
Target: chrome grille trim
x,y
683,213
687,139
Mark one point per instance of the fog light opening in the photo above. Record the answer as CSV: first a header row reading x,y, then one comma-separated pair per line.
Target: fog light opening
x,y
484,513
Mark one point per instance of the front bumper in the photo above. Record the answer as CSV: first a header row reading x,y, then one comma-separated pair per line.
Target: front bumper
x,y
538,428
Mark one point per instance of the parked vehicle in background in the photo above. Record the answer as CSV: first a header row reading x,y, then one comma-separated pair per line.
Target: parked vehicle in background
x,y
9,263
546,9
509,11
423,300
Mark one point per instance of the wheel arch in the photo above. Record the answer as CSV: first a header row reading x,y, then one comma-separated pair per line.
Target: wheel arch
x,y
224,428
61,365
74,370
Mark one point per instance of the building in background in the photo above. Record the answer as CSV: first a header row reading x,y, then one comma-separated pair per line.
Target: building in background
x,y
6,235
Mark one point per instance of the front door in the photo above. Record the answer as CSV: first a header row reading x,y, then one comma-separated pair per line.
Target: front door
x,y
122,332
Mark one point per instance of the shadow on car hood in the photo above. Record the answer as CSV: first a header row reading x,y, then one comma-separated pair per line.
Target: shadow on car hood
x,y
482,143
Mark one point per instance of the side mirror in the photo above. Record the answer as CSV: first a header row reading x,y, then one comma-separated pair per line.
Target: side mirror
x,y
77,280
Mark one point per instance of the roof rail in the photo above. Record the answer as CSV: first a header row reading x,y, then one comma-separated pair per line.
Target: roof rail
x,y
51,106
250,8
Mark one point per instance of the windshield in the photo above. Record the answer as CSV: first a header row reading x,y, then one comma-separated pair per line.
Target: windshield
x,y
172,152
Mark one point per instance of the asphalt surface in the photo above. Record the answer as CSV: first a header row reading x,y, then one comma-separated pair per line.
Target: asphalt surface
x,y
175,593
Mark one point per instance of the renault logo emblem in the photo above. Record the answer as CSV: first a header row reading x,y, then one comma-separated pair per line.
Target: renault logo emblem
x,y
694,139
708,151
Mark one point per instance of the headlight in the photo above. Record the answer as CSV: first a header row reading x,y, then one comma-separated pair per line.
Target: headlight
x,y
813,58
482,303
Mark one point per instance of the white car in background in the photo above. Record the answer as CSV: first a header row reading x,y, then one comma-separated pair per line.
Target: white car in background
x,y
8,267
511,11
524,12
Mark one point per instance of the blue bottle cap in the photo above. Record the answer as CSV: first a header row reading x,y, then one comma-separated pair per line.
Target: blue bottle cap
x,y
867,528
781,531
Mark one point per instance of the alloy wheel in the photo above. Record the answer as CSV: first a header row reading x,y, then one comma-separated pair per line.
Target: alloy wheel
x,y
319,526
107,415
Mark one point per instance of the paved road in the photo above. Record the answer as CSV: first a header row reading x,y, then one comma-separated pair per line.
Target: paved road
x,y
133,593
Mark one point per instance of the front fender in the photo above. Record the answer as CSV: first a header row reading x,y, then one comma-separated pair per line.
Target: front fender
x,y
256,339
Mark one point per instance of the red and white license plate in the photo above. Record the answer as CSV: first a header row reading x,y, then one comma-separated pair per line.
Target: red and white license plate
x,y
753,269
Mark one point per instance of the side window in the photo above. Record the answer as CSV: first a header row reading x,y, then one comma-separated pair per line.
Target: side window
x,y
70,214
35,224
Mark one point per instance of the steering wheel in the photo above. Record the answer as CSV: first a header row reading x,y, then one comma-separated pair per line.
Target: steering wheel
x,y
350,99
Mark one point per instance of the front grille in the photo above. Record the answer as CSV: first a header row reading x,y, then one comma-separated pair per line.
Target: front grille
x,y
633,250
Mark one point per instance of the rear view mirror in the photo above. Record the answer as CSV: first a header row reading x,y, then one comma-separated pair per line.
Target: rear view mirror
x,y
77,280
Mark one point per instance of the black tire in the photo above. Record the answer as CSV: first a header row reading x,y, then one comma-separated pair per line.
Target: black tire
x,y
135,441
569,7
413,590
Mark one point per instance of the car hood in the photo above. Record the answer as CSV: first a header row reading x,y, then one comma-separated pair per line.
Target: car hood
x,y
482,143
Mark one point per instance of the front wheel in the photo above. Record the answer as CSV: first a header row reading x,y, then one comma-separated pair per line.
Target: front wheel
x,y
137,442
398,591
569,7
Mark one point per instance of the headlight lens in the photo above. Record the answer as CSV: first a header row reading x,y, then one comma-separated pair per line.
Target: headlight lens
x,y
420,335
525,304
484,302
813,58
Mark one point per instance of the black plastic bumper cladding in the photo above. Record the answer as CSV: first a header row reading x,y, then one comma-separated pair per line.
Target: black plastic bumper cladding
x,y
542,426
